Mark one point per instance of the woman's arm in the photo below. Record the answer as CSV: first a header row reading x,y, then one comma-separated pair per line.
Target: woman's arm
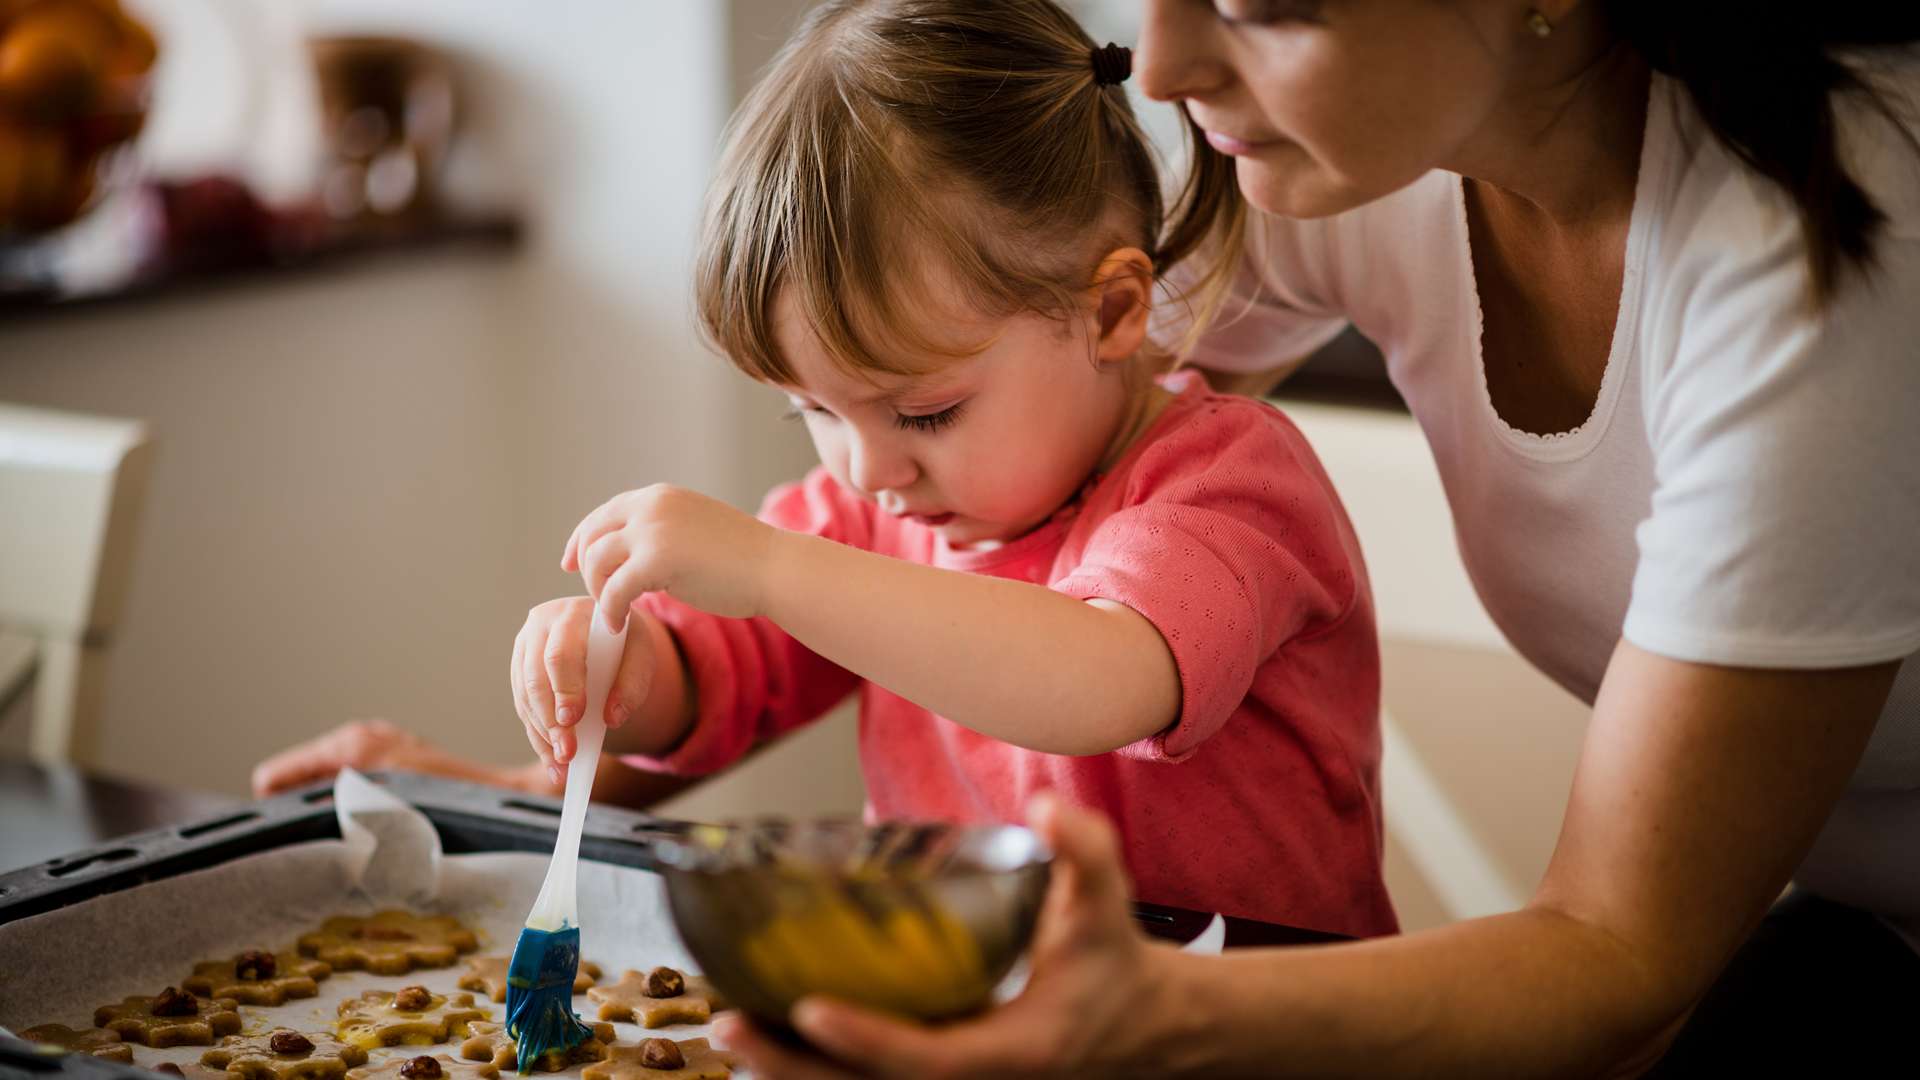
x,y
1699,790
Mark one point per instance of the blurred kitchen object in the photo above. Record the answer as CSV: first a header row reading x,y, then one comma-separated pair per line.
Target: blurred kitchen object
x,y
387,116
73,81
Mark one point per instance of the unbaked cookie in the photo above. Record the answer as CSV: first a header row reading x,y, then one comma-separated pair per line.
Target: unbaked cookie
x,y
488,974
657,998
191,1071
412,1017
425,1067
258,978
101,1044
170,1018
389,943
490,1042
285,1055
663,1059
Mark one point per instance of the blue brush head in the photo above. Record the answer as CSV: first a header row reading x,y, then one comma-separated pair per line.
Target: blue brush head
x,y
540,976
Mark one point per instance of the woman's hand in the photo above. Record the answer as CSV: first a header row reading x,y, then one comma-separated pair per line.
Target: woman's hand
x,y
372,744
1088,1009
548,675
668,539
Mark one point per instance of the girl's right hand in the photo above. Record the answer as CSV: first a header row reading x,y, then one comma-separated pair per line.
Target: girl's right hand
x,y
549,676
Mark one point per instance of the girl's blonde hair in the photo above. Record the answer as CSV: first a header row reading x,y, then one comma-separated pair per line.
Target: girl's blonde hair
x,y
894,146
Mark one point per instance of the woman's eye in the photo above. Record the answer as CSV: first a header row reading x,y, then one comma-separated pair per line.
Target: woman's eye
x,y
928,421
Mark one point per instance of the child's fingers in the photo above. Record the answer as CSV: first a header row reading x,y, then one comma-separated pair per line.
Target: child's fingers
x,y
604,558
591,528
565,656
535,736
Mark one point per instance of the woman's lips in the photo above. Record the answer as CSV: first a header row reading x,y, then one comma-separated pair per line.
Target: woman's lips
x,y
1231,145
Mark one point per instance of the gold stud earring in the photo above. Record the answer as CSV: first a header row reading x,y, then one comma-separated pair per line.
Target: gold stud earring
x,y
1539,23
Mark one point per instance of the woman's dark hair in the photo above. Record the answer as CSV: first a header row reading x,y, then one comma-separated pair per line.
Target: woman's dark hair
x,y
1764,77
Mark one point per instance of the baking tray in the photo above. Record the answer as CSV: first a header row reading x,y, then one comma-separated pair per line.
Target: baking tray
x,y
468,817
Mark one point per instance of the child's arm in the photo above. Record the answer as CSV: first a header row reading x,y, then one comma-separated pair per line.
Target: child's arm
x,y
1019,662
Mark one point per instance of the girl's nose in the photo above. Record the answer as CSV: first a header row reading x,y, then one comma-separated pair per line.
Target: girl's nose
x,y
1172,60
877,463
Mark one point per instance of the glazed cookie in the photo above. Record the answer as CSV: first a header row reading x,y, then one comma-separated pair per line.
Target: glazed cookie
x,y
663,1059
424,1067
101,1044
170,1018
389,943
660,997
490,1042
191,1071
412,1017
285,1055
258,978
488,974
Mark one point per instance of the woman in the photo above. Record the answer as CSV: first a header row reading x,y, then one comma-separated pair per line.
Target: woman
x,y
1648,276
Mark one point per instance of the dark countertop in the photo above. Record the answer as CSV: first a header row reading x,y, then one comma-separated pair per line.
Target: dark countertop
x,y
47,811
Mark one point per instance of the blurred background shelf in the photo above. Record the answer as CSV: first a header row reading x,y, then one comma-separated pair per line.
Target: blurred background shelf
x,y
499,234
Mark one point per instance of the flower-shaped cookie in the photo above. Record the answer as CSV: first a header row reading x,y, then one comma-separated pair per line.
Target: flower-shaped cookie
x,y
657,998
285,1055
170,1018
101,1044
426,1067
490,1042
389,943
488,974
258,978
412,1017
663,1059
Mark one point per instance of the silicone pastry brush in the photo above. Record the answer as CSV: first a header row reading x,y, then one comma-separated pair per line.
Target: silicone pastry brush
x,y
540,976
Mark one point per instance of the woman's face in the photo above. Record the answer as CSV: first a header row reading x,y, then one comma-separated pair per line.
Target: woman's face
x,y
1327,105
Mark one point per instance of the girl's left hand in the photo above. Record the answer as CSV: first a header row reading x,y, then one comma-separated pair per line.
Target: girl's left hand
x,y
667,539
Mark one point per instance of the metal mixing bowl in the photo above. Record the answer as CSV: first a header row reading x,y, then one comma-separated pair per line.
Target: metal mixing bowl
x,y
920,920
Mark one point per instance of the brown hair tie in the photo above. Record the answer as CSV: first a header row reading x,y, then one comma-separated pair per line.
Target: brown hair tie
x,y
1112,64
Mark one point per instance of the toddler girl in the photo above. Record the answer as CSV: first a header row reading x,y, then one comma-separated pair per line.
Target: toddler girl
x,y
1039,562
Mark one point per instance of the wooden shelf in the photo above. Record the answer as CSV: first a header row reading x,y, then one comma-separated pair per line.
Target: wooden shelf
x,y
496,233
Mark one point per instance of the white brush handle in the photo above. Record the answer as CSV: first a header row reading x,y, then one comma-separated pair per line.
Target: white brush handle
x,y
557,906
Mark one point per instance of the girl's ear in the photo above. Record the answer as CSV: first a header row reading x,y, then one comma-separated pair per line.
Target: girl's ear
x,y
1124,287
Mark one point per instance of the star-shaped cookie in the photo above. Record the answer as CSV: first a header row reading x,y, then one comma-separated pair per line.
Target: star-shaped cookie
x,y
101,1044
698,1061
170,1018
657,998
488,974
389,943
411,1017
490,1042
258,978
284,1054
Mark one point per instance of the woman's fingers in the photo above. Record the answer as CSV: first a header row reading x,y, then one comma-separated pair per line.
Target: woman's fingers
x,y
768,1059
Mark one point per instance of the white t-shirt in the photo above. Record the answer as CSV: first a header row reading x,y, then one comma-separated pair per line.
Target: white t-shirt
x,y
1746,490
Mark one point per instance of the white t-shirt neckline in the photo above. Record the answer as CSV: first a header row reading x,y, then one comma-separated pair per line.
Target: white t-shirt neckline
x,y
1578,441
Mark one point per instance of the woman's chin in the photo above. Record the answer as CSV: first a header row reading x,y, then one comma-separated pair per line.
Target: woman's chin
x,y
1296,189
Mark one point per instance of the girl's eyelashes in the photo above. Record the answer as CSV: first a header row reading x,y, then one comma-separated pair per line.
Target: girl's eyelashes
x,y
1263,12
797,411
928,421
